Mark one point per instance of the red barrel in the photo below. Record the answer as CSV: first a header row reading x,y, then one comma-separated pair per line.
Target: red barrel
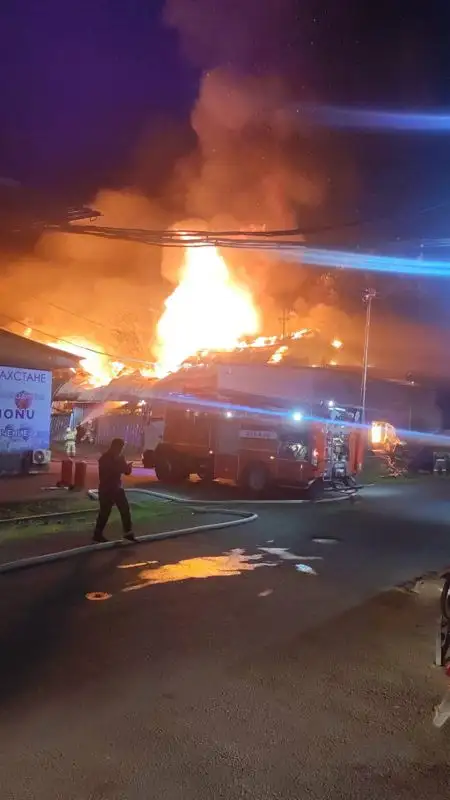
x,y
79,480
66,472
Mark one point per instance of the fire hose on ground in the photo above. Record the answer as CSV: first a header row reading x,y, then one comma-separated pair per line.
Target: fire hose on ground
x,y
202,506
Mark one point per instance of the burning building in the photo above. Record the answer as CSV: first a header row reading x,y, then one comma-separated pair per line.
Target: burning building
x,y
208,339
212,328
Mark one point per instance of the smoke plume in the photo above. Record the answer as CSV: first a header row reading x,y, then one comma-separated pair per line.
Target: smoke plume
x,y
250,166
100,292
251,169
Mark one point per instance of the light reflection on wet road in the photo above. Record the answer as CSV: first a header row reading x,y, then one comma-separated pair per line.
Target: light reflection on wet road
x,y
230,564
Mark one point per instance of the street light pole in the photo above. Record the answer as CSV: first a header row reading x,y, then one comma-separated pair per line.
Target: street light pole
x,y
368,296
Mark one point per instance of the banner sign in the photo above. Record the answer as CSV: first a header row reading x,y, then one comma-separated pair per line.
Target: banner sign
x,y
25,409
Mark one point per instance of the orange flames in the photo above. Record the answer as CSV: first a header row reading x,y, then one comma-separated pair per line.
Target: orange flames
x,y
100,369
208,310
278,355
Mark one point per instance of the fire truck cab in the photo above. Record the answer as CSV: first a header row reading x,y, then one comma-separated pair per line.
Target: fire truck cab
x,y
253,448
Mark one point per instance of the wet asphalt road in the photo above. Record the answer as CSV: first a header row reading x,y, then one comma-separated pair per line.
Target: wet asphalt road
x,y
125,678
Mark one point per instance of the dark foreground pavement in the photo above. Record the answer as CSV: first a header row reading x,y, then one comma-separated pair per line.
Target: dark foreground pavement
x,y
224,670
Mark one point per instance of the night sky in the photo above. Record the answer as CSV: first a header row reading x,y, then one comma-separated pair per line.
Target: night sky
x,y
85,85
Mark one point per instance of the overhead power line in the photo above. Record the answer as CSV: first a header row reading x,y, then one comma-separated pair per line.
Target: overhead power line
x,y
119,331
76,346
234,238
73,314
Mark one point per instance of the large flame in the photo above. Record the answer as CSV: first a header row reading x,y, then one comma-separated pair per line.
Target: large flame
x,y
100,369
208,310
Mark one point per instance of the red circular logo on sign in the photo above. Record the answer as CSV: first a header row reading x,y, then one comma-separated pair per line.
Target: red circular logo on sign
x,y
23,400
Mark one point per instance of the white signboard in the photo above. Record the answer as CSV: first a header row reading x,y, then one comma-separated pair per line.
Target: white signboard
x,y
258,435
25,408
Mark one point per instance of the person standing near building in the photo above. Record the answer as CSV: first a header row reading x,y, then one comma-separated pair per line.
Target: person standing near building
x,y
111,466
70,443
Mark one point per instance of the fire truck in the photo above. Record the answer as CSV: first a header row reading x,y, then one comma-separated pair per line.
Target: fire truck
x,y
254,447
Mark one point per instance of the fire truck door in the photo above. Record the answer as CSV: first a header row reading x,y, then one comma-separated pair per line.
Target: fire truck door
x,y
227,449
292,464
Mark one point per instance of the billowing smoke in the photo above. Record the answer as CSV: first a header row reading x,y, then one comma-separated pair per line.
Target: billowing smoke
x,y
246,171
247,34
90,290
251,167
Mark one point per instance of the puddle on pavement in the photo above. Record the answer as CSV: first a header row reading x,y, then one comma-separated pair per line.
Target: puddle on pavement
x,y
233,563
230,564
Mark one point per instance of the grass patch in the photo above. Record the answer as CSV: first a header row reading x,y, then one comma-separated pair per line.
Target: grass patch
x,y
68,501
143,513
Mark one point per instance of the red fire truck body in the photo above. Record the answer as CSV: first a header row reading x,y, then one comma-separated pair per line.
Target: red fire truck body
x,y
254,448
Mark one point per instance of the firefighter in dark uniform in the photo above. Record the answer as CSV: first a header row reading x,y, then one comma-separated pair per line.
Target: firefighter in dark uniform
x,y
111,467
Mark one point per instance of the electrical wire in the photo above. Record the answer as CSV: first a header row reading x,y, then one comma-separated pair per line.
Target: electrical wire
x,y
189,238
72,313
81,316
122,359
254,240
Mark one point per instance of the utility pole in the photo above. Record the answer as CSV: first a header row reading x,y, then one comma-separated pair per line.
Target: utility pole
x,y
283,319
368,296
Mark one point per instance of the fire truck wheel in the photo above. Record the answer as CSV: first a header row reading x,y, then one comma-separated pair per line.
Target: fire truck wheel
x,y
206,474
148,459
255,478
317,490
169,467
